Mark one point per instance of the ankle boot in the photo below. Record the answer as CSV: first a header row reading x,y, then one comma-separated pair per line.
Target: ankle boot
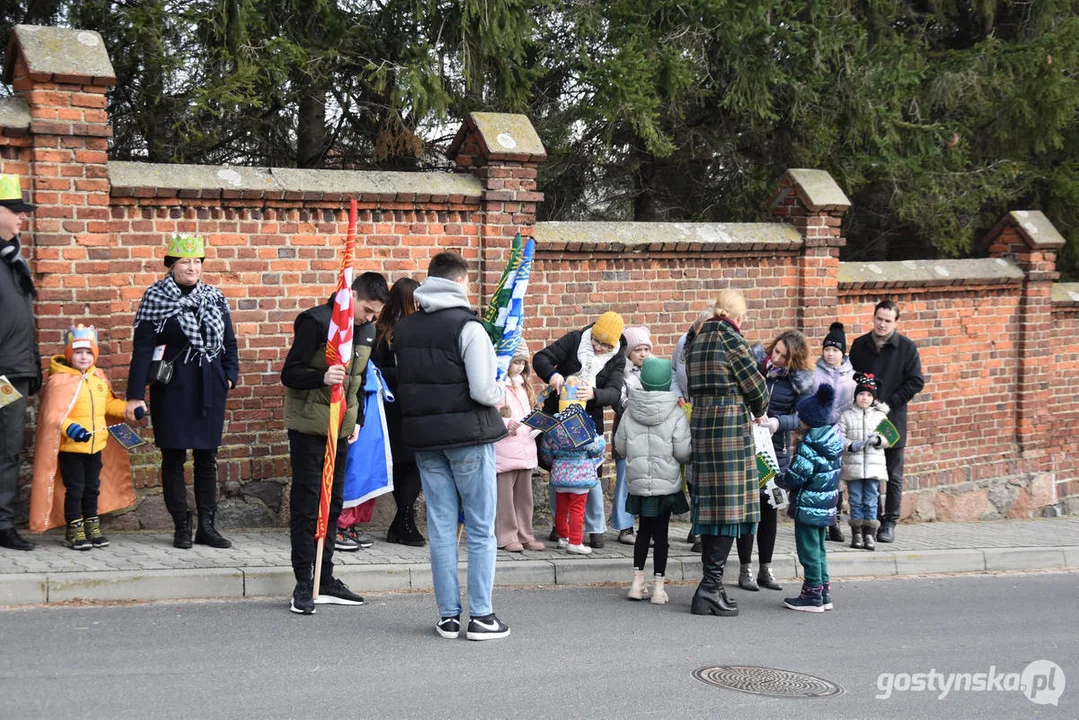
x,y
182,537
766,579
207,534
869,537
711,598
745,578
637,591
835,533
659,595
93,532
856,534
403,529
75,536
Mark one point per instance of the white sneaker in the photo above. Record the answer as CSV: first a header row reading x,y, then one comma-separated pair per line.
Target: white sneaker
x,y
579,549
563,542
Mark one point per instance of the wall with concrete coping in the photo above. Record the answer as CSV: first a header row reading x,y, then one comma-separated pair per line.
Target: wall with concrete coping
x,y
988,433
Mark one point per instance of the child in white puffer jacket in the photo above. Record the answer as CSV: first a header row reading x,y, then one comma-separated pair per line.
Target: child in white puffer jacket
x,y
655,440
864,465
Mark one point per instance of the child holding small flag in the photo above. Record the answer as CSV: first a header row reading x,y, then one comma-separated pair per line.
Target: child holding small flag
x,y
75,401
864,464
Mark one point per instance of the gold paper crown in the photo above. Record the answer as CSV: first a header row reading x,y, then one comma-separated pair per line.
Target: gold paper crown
x,y
186,246
10,187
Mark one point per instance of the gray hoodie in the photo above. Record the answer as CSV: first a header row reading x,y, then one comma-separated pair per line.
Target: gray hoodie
x,y
478,354
654,438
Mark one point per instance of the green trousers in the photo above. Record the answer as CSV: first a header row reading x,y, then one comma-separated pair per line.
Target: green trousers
x,y
809,540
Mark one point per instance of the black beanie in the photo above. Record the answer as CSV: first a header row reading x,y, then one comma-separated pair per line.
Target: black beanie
x,y
865,382
836,337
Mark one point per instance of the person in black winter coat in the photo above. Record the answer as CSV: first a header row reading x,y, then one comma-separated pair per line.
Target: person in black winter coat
x,y
894,361
787,368
597,354
185,322
20,359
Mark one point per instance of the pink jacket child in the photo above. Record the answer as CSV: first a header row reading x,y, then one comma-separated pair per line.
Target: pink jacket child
x,y
515,459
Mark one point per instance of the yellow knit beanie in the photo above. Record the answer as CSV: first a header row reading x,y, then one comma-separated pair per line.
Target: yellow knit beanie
x,y
608,329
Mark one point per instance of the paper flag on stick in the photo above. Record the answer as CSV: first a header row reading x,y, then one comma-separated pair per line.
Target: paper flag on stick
x,y
539,420
888,431
126,436
8,393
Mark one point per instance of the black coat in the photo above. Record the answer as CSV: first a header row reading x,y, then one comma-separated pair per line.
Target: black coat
x,y
561,357
189,412
785,392
897,368
19,355
383,356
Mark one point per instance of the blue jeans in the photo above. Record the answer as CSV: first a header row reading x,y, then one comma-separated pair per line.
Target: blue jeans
x,y
620,519
467,473
864,495
594,517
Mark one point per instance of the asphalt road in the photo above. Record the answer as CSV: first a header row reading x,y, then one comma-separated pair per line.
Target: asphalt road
x,y
574,653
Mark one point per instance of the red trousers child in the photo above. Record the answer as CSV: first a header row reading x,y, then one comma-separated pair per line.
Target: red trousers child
x,y
569,516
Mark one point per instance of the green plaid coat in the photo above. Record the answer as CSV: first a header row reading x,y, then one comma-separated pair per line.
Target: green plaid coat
x,y
723,382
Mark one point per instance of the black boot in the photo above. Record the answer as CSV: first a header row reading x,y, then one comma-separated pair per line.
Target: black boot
x,y
711,598
182,537
11,539
207,534
403,529
835,533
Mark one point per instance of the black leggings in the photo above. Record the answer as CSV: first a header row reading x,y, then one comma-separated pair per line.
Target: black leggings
x,y
406,483
81,473
652,528
766,536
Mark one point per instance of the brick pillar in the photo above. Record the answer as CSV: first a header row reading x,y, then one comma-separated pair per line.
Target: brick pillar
x,y
1031,241
504,153
812,202
61,75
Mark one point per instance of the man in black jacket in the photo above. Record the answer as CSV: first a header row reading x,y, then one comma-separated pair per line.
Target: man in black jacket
x,y
894,362
20,360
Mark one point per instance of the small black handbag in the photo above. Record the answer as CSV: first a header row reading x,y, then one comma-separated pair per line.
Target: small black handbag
x,y
161,370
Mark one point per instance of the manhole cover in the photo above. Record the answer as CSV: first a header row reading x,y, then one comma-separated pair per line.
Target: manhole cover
x,y
772,682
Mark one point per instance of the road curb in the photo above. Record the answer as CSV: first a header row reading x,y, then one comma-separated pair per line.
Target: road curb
x,y
246,582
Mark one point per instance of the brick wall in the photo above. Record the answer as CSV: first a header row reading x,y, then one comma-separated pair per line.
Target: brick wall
x,y
988,436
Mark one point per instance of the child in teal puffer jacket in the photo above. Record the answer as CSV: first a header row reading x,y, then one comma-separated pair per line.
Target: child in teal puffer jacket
x,y
813,479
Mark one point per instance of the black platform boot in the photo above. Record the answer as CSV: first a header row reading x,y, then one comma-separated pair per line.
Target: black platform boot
x,y
207,534
182,537
711,598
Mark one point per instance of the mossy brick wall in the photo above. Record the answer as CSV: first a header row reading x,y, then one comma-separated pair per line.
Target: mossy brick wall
x,y
990,434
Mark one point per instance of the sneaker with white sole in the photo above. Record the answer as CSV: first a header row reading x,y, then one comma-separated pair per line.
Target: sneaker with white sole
x,y
449,627
302,604
343,543
579,549
335,592
563,543
487,627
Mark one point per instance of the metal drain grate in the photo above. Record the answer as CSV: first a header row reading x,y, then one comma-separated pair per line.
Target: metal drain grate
x,y
771,682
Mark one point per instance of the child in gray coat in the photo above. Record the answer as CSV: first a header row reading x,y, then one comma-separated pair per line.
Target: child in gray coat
x,y
654,438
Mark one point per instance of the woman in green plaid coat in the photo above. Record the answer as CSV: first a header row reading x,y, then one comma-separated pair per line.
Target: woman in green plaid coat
x,y
726,387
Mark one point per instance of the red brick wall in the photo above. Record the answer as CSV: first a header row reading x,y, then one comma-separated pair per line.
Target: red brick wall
x,y
1064,402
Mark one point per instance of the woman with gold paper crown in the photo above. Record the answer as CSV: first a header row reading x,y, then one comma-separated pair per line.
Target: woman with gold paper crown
x,y
183,324
80,473
586,366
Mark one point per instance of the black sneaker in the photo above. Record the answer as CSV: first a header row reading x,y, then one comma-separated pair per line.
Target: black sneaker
x,y
302,602
449,627
343,543
487,627
335,592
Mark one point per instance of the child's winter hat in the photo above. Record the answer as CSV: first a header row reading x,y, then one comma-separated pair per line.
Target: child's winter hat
x,y
80,337
636,336
608,328
865,382
836,337
656,374
815,409
521,352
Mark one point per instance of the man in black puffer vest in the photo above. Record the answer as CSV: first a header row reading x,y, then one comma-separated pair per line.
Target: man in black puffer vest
x,y
447,392
308,380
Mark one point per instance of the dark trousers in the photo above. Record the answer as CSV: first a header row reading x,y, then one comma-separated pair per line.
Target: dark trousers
x,y
893,500
12,429
81,473
652,528
766,536
406,483
172,479
307,453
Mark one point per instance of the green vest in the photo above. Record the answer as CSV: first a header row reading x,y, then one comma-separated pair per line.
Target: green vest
x,y
308,411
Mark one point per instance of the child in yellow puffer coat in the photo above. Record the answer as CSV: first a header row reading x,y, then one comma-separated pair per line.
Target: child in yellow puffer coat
x,y
76,400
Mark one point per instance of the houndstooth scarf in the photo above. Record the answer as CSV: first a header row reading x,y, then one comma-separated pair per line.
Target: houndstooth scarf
x,y
10,253
201,313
